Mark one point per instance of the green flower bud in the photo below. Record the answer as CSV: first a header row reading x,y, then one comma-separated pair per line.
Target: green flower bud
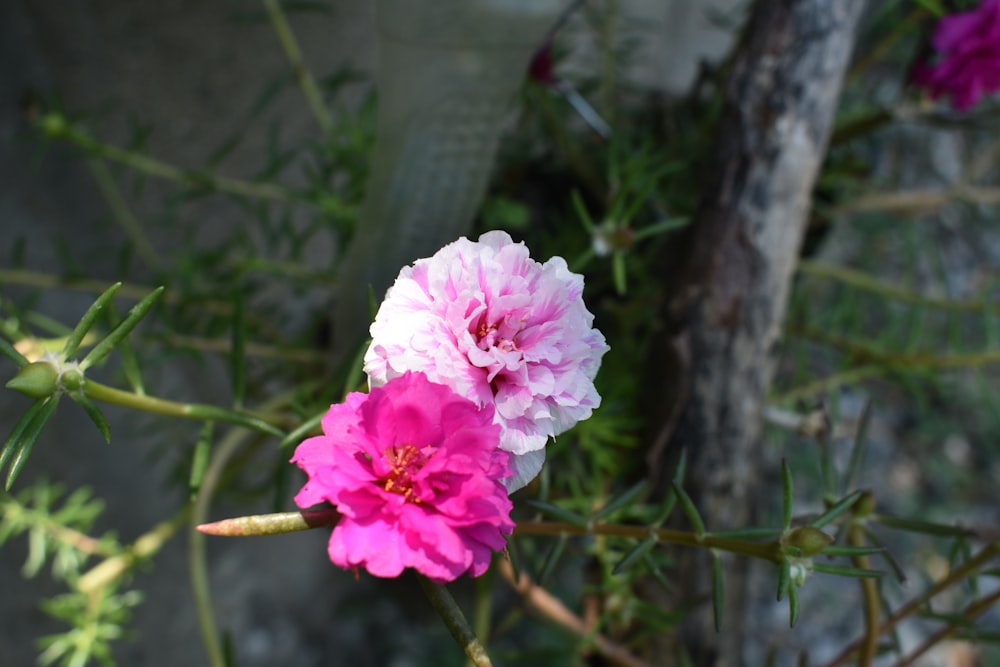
x,y
53,124
808,540
71,379
37,380
865,506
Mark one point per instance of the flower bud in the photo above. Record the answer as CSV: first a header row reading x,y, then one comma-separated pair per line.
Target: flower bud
x,y
808,540
865,506
71,378
37,380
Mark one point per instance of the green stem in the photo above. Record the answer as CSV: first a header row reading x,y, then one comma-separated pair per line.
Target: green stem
x,y
159,406
444,604
862,351
869,595
58,127
302,74
968,615
110,569
482,617
769,551
823,385
286,522
869,283
957,575
122,214
198,565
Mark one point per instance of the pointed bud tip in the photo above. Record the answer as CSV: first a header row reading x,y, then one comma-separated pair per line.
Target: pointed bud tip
x,y
809,540
37,380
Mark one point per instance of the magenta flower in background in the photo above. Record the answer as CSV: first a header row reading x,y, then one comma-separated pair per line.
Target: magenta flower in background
x,y
415,472
501,329
969,63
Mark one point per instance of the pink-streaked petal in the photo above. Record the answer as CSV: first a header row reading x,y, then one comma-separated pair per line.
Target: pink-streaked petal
x,y
498,328
525,468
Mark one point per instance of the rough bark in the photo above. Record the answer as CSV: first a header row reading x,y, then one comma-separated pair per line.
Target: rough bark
x,y
730,291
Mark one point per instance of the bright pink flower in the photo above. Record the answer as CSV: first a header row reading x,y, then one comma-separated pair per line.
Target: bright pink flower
x,y
498,328
415,472
969,66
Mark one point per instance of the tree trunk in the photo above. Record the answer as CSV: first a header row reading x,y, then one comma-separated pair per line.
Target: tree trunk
x,y
729,291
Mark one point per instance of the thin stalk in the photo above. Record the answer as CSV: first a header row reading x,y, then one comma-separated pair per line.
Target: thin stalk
x,y
870,599
286,522
160,406
137,292
482,618
920,200
197,562
957,575
968,614
122,214
255,350
13,511
302,74
867,353
769,551
134,292
869,283
444,604
552,608
823,385
110,569
60,128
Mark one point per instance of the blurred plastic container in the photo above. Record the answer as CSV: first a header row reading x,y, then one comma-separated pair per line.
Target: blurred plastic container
x,y
448,71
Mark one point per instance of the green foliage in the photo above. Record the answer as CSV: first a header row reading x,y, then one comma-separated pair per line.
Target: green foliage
x,y
612,207
95,627
56,525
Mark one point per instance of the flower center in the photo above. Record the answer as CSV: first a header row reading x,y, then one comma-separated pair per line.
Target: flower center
x,y
488,336
405,461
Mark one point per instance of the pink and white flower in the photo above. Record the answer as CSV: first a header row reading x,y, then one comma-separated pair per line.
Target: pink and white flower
x,y
969,64
416,474
500,329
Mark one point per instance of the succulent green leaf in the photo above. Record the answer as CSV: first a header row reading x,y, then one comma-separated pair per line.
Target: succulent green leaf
x,y
627,498
237,357
618,272
301,431
11,353
95,414
130,364
851,552
581,212
838,508
215,413
858,448
793,606
14,439
552,559
87,321
718,590
199,462
846,571
784,579
786,495
559,513
28,438
638,551
921,526
690,511
100,351
656,572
